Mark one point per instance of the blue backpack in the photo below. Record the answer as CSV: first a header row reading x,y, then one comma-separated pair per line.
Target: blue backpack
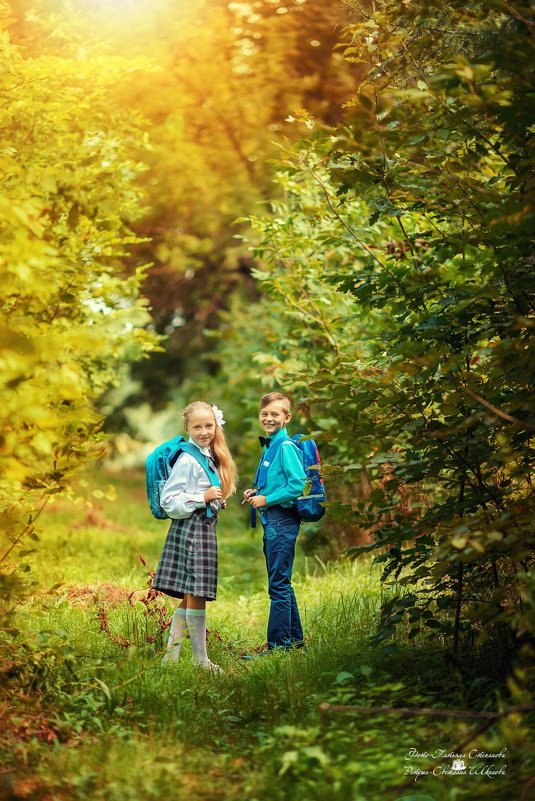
x,y
158,469
311,507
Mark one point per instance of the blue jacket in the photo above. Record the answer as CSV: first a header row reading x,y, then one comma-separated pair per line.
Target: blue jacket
x,y
286,476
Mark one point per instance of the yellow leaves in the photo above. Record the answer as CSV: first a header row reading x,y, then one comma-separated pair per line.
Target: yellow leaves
x,y
459,542
70,382
6,17
48,183
14,471
474,541
52,364
37,414
69,316
417,95
465,71
42,443
26,214
8,165
28,262
14,341
109,495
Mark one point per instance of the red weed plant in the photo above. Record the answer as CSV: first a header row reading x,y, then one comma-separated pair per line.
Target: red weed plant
x,y
155,613
154,604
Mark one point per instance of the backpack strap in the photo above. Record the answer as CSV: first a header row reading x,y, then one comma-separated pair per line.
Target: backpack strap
x,y
192,450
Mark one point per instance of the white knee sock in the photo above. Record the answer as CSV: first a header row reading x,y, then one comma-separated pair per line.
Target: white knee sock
x,y
177,632
196,620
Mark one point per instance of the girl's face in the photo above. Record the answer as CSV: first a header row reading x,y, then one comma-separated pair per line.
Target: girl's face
x,y
273,417
201,427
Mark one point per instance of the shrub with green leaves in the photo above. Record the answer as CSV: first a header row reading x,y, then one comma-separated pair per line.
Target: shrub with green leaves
x,y
399,273
70,312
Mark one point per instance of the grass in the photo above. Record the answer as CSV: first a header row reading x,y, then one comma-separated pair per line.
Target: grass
x,y
89,718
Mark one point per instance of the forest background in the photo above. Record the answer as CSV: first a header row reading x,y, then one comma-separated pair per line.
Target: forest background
x,y
214,199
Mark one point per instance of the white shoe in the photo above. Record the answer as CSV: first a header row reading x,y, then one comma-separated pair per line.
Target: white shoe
x,y
211,666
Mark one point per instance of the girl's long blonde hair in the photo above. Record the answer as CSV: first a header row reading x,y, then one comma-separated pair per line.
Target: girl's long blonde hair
x,y
226,466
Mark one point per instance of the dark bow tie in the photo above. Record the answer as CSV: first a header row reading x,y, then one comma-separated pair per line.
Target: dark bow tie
x,y
265,441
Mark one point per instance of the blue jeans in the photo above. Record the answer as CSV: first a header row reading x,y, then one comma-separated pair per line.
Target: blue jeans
x,y
281,527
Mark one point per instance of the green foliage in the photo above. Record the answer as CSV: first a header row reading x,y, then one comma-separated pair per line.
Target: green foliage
x,y
399,271
71,313
88,717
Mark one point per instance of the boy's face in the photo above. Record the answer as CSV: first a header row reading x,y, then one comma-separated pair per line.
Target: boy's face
x,y
273,417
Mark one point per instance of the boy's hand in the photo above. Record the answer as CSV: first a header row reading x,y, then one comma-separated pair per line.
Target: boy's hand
x,y
247,494
212,494
257,501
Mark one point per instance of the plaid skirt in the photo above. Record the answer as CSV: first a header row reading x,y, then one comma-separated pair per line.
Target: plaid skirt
x,y
188,563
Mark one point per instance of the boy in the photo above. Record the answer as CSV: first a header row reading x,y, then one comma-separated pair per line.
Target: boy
x,y
280,480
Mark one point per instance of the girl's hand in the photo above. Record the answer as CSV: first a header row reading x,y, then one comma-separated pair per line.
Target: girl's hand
x,y
212,494
257,501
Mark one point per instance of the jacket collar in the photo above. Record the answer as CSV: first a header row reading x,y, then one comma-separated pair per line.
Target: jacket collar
x,y
279,435
204,451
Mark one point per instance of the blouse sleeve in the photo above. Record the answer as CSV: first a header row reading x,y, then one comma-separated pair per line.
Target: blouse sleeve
x,y
180,496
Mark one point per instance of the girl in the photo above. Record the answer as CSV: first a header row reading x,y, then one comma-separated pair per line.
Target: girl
x,y
188,565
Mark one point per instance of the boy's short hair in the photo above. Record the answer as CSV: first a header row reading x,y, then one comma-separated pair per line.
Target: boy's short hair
x,y
276,396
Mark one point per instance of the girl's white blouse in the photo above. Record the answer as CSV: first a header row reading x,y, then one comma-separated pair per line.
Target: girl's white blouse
x,y
183,492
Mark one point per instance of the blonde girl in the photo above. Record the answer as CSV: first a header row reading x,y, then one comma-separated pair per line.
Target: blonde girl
x,y
188,564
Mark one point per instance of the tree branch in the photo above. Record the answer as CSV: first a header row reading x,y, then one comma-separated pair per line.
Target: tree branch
x,y
498,412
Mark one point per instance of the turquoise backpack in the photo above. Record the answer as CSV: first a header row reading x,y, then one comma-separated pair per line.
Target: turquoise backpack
x,y
158,469
311,507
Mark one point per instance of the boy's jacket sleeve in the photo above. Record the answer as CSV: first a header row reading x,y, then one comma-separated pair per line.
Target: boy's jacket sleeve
x,y
289,479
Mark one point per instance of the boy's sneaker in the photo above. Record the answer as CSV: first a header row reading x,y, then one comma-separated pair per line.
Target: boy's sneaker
x,y
265,650
262,650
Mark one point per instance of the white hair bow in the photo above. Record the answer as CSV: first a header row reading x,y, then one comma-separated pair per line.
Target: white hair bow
x,y
218,414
